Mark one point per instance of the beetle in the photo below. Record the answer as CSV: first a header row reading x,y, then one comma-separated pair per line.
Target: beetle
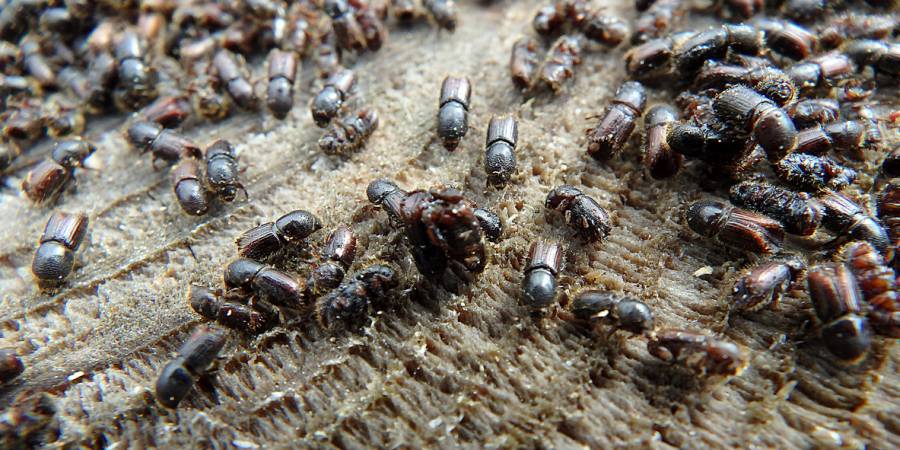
x,y
623,312
253,319
162,143
178,376
500,150
581,212
764,284
736,227
187,182
264,240
222,170
55,255
350,133
49,178
541,270
282,73
836,298
703,354
331,98
799,212
347,306
453,123
251,277
617,121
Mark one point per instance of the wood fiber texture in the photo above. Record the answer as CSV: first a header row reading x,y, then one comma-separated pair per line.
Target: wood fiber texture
x,y
445,371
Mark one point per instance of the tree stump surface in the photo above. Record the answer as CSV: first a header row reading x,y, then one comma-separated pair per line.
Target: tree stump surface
x,y
474,370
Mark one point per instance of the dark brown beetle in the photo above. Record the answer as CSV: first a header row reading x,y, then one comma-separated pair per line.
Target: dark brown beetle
x,y
864,114
604,29
16,16
331,98
643,5
453,122
15,85
102,74
222,171
347,30
653,58
448,221
797,211
327,56
698,352
298,36
48,179
804,11
500,150
551,19
657,19
339,253
768,81
388,195
878,285
836,299
744,9
715,44
763,285
490,224
440,226
251,277
888,203
206,98
194,357
623,312
749,112
162,143
347,307
852,26
263,241
524,61
812,173
61,118
659,159
847,219
823,71
559,66
405,10
890,166
541,269
55,255
10,366
228,69
443,12
24,123
72,80
282,73
35,63
348,134
581,212
370,19
787,38
169,111
884,58
254,319
736,227
617,121
845,138
187,182
813,111
137,80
